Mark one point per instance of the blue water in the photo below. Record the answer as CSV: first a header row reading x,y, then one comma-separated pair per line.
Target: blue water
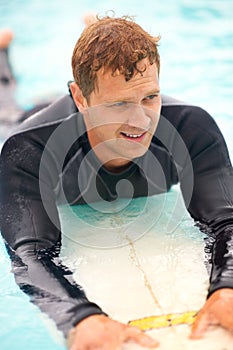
x,y
196,66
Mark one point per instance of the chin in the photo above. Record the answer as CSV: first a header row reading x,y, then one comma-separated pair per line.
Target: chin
x,y
133,155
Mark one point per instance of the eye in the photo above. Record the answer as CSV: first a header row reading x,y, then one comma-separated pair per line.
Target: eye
x,y
151,98
120,106
117,104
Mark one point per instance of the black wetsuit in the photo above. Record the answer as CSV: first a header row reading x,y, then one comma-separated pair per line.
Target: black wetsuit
x,y
187,148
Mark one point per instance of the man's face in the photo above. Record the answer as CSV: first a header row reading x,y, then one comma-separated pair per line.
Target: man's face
x,y
122,117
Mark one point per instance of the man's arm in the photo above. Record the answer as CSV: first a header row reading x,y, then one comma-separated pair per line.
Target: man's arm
x,y
212,205
33,240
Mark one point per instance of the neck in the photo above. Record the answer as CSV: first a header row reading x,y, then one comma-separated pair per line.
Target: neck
x,y
117,165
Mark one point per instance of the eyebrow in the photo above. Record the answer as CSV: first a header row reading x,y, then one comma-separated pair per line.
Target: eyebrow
x,y
129,99
153,92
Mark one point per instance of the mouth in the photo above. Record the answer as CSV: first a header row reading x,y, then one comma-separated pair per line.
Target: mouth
x,y
133,137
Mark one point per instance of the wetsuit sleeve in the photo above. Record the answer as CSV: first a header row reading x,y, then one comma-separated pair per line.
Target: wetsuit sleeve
x,y
211,201
33,239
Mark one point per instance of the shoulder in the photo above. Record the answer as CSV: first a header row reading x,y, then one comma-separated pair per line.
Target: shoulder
x,y
190,124
178,108
188,118
54,113
177,111
37,129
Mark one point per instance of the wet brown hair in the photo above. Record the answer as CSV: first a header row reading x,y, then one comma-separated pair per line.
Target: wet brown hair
x,y
114,44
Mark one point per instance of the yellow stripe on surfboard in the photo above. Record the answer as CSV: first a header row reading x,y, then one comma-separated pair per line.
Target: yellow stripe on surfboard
x,y
162,321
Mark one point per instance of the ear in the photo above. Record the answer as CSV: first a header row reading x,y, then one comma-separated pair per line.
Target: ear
x,y
78,97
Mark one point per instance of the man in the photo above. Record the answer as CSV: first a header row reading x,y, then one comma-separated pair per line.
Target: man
x,y
113,126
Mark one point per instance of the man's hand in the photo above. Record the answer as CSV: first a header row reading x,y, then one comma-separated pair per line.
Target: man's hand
x,y
98,332
216,311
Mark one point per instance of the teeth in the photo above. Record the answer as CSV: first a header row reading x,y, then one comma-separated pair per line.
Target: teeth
x,y
134,136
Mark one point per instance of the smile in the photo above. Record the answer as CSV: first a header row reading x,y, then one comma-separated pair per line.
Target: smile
x,y
137,137
134,136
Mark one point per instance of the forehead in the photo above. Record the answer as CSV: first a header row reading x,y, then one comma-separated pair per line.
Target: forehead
x,y
116,87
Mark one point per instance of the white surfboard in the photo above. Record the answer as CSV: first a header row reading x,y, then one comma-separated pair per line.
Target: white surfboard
x,y
143,262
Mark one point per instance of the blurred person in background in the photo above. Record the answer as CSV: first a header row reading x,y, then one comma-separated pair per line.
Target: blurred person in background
x,y
10,111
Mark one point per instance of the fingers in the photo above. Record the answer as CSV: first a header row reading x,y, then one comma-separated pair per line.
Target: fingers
x,y
200,325
99,332
215,312
139,337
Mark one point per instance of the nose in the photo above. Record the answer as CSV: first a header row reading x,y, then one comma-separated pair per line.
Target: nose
x,y
139,117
